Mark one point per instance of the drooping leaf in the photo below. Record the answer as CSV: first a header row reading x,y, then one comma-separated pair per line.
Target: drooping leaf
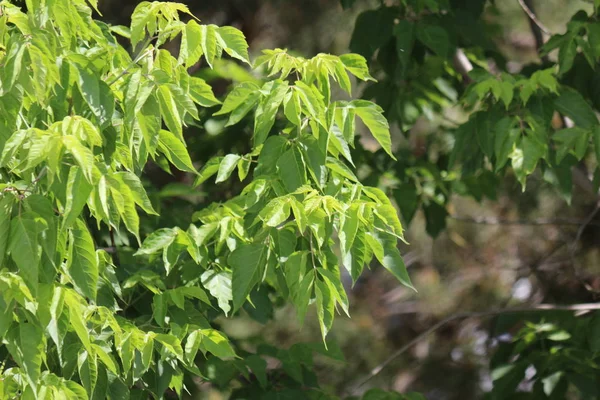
x,y
372,116
24,248
219,286
248,264
175,151
82,263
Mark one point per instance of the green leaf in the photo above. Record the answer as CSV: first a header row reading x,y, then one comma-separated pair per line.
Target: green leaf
x,y
126,207
357,66
291,169
78,192
171,344
299,214
569,139
596,139
106,359
31,340
77,322
292,108
87,366
157,240
267,109
405,38
233,41
12,66
325,307
175,151
82,263
271,150
247,264
97,95
372,116
566,55
276,212
208,42
83,156
334,282
226,167
190,50
435,37
169,111
259,368
208,170
239,102
216,343
219,286
572,104
6,204
372,30
137,190
202,93
24,248
349,223
354,259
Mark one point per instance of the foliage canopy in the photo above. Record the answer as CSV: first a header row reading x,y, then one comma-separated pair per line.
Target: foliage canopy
x,y
86,107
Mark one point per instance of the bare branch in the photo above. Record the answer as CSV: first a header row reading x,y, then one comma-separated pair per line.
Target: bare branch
x,y
481,314
463,65
533,17
534,222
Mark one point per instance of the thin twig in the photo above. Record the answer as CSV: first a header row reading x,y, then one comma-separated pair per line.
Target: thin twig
x,y
482,314
533,17
534,222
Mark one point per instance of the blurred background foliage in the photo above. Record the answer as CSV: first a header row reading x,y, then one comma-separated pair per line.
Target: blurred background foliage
x,y
464,255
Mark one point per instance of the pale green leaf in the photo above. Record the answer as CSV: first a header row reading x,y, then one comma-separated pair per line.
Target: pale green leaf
x,y
357,66
190,49
226,167
82,155
216,343
233,41
276,212
219,286
267,109
208,42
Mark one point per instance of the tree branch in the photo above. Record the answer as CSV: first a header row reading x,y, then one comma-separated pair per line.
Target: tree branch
x,y
463,65
533,19
482,314
533,222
